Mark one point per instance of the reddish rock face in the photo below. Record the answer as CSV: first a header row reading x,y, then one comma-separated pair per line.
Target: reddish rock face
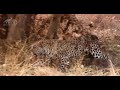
x,y
117,16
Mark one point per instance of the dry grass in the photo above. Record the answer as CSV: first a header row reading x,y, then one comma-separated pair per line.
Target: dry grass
x,y
12,68
28,70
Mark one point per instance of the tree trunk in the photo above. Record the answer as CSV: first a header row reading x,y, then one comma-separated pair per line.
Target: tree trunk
x,y
29,24
3,28
17,28
54,26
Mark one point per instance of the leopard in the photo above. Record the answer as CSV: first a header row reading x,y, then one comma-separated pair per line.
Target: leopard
x,y
63,53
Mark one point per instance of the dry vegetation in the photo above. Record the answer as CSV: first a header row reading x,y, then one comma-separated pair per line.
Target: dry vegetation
x,y
18,57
